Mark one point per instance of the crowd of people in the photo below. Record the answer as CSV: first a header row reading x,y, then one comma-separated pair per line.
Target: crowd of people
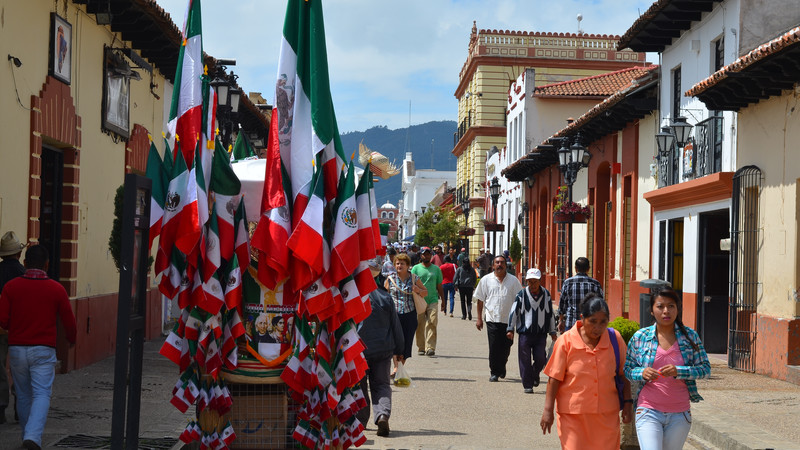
x,y
590,368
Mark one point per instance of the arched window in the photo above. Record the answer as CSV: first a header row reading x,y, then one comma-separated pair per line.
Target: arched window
x,y
383,214
391,214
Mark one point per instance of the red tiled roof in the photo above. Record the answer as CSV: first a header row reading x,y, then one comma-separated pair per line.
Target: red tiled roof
x,y
760,53
601,85
608,103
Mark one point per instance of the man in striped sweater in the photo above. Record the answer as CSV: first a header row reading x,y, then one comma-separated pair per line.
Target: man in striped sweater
x,y
533,319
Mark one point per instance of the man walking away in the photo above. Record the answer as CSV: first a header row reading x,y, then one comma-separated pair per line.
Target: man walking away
x,y
383,337
10,268
414,255
30,307
485,261
533,319
495,294
573,291
428,320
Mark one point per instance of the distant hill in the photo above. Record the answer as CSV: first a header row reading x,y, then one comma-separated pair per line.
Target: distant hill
x,y
431,144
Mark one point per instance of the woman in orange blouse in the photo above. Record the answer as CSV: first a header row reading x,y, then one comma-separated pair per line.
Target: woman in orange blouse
x,y
581,385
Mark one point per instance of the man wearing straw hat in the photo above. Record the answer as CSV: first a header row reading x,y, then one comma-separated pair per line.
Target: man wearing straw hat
x,y
10,268
30,307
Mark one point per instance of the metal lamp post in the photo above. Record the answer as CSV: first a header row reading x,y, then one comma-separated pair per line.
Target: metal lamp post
x,y
494,192
228,96
571,160
525,254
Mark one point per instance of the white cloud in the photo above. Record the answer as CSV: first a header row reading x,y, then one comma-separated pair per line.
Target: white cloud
x,y
384,53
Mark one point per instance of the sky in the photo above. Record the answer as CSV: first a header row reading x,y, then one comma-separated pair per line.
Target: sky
x,y
384,55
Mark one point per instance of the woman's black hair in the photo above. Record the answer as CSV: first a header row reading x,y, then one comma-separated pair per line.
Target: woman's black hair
x,y
466,264
592,303
672,295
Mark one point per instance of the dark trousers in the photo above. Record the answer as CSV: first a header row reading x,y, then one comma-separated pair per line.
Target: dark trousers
x,y
466,301
408,322
379,390
499,348
531,346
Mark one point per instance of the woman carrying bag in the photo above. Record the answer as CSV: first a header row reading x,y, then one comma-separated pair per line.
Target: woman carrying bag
x,y
668,357
402,286
465,280
582,387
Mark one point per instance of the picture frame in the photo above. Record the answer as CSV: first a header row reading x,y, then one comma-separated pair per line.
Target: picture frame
x,y
60,48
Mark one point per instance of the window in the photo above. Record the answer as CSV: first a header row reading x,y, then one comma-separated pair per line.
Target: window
x,y
117,76
719,54
391,214
383,214
676,92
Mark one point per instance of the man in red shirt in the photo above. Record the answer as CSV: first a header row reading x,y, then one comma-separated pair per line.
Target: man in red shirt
x,y
30,307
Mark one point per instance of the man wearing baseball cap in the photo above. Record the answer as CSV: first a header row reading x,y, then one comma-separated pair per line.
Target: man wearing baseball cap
x,y
428,320
10,268
533,319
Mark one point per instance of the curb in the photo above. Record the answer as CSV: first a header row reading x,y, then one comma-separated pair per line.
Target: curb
x,y
725,431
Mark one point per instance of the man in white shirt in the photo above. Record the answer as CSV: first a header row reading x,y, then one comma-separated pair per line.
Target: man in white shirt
x,y
496,292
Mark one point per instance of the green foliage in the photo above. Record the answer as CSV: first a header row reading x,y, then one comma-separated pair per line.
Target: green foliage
x,y
515,248
115,240
437,225
625,327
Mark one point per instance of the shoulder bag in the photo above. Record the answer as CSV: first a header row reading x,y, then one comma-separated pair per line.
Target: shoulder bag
x,y
617,377
419,301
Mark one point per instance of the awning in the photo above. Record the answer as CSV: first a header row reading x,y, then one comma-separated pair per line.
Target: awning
x,y
409,238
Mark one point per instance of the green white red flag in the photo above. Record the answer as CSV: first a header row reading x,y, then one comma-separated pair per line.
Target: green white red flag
x,y
186,112
344,246
307,242
158,193
226,188
366,236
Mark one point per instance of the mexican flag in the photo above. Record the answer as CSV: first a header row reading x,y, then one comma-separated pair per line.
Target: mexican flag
x,y
366,236
158,194
305,117
307,242
271,235
242,148
226,188
344,247
186,113
176,199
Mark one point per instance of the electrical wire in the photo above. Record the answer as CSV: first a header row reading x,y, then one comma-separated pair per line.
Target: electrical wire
x,y
16,91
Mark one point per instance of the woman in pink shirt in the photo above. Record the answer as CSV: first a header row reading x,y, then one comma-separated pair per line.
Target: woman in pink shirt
x,y
581,387
668,357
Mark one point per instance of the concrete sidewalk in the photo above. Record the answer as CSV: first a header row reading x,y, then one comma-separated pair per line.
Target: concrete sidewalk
x,y
451,404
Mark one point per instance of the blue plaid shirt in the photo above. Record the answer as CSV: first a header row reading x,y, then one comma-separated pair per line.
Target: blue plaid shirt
x,y
642,352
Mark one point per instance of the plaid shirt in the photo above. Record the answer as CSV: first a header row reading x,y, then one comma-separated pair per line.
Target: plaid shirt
x,y
573,291
642,352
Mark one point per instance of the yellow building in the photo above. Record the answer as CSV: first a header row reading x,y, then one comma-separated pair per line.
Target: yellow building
x,y
494,60
83,88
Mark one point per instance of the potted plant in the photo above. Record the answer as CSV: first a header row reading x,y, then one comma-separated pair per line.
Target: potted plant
x,y
567,211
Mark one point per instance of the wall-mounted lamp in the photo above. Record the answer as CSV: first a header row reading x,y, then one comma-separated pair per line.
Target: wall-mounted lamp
x,y
530,181
15,60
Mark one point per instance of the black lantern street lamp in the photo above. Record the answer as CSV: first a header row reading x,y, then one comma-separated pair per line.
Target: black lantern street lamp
x,y
676,134
494,192
571,160
228,96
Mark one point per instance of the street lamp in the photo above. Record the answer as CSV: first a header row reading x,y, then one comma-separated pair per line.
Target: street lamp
x,y
571,160
677,133
228,96
494,192
525,256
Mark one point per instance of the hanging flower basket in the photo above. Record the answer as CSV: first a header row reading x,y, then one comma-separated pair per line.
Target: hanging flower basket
x,y
565,217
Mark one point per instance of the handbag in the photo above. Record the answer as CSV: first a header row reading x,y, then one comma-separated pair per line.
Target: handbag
x,y
420,304
617,377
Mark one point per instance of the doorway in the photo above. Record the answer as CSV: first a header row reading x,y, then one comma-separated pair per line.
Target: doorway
x,y
713,281
50,207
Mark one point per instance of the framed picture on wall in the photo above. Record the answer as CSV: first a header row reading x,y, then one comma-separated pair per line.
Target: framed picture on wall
x,y
60,48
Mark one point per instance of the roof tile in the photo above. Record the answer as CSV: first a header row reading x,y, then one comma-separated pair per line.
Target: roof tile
x,y
601,85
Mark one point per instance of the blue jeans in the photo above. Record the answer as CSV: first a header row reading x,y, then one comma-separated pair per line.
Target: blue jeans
x,y
33,369
449,294
662,431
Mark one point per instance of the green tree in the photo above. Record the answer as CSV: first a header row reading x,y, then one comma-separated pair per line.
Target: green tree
x,y
437,225
515,248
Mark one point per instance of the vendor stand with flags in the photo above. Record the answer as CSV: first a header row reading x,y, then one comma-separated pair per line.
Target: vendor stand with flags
x,y
246,326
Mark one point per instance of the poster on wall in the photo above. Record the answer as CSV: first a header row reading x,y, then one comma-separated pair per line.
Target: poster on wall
x,y
268,320
60,48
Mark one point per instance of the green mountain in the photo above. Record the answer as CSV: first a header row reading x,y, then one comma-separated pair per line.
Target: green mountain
x,y
430,143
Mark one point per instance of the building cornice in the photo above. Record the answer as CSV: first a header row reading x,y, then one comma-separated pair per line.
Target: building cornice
x,y
474,132
710,188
